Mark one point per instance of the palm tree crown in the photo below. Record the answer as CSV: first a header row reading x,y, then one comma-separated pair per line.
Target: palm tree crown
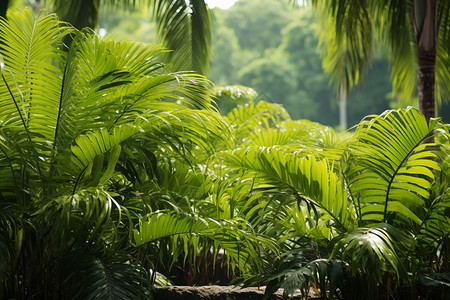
x,y
417,32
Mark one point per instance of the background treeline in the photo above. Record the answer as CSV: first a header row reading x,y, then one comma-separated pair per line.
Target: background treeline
x,y
272,47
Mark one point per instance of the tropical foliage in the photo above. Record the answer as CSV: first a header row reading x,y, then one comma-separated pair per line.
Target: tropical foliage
x,y
90,139
378,217
115,170
182,26
366,212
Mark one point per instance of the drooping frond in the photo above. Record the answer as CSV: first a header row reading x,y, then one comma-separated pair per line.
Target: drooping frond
x,y
31,49
347,40
311,178
81,14
443,52
185,27
97,276
394,24
240,244
351,29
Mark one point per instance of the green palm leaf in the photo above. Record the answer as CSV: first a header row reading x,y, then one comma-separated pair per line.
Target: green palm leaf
x,y
436,223
252,117
117,276
29,89
312,179
373,250
392,170
30,48
297,273
128,79
240,243
184,27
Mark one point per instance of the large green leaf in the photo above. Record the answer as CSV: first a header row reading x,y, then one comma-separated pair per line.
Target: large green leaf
x,y
311,178
373,250
234,236
30,48
185,27
392,167
117,276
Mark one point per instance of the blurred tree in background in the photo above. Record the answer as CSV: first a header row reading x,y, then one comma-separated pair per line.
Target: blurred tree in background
x,y
417,34
269,46
258,23
272,48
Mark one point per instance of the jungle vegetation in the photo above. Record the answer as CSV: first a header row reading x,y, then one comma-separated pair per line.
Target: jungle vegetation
x,y
118,171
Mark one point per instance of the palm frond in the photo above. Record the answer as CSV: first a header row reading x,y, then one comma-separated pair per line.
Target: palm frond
x,y
253,113
311,178
92,212
393,169
395,28
253,116
80,14
299,135
240,244
96,276
443,52
373,250
442,69
130,82
347,31
29,93
436,224
228,97
31,49
10,243
300,267
185,28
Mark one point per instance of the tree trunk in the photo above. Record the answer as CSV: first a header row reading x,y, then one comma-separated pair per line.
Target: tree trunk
x,y
425,27
79,13
342,104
